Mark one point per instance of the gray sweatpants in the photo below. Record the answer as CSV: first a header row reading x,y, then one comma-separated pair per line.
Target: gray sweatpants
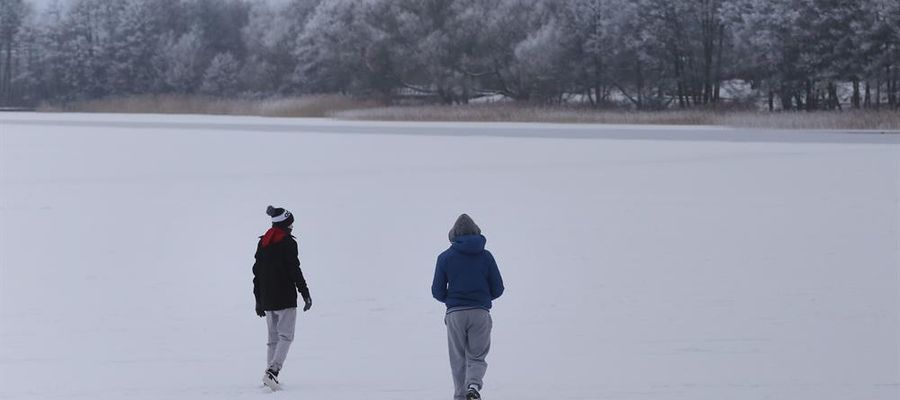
x,y
469,339
281,333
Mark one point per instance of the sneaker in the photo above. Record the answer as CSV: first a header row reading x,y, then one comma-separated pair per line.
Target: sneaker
x,y
270,379
473,394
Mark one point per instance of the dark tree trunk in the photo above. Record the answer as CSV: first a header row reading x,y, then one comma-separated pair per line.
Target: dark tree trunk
x,y
2,78
868,99
786,101
892,82
832,94
598,76
640,86
7,76
706,85
855,99
679,81
718,78
878,93
810,100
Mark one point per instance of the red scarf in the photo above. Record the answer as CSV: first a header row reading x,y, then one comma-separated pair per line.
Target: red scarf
x,y
272,236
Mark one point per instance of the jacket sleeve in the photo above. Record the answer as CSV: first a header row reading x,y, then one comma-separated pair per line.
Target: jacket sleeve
x,y
293,263
255,281
439,283
495,281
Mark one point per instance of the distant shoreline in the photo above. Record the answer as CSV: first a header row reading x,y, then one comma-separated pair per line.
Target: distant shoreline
x,y
353,108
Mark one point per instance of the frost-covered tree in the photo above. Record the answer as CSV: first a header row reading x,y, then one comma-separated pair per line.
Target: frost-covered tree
x,y
506,37
271,36
12,15
136,41
179,62
83,57
591,28
880,45
831,50
653,53
422,45
541,65
46,68
770,47
690,38
332,50
220,23
221,77
798,50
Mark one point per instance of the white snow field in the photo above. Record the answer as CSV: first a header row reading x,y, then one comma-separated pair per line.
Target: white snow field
x,y
646,263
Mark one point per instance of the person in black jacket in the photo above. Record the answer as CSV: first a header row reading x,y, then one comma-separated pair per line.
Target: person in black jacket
x,y
276,280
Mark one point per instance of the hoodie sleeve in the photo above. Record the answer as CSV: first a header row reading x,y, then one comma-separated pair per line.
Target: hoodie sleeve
x,y
495,281
439,284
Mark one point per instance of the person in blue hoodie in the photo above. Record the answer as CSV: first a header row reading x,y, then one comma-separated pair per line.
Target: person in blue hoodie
x,y
467,280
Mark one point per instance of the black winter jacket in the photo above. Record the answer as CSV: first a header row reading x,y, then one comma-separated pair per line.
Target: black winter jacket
x,y
276,273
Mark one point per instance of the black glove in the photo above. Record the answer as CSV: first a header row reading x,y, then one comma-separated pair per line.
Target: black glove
x,y
260,311
304,291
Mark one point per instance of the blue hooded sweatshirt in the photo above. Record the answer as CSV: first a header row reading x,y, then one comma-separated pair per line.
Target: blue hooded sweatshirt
x,y
466,275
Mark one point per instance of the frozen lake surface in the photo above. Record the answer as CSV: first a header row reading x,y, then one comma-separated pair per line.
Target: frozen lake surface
x,y
641,262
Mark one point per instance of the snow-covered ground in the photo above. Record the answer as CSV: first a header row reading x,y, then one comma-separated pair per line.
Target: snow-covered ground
x,y
663,263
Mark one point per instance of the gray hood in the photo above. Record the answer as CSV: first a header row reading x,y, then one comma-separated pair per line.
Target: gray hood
x,y
464,226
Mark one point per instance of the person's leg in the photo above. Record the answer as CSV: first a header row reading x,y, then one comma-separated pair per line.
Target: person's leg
x,y
287,319
479,344
456,340
272,324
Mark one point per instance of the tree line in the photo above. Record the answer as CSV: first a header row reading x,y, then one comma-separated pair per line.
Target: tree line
x,y
643,54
